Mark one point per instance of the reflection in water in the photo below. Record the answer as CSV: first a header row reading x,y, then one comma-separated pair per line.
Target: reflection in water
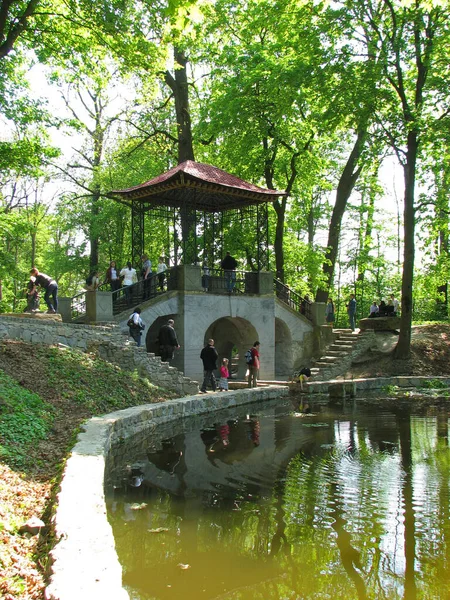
x,y
284,504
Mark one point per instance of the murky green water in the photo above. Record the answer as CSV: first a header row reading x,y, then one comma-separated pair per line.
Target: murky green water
x,y
278,504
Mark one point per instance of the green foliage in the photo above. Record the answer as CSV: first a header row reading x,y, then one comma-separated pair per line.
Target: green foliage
x,y
435,384
25,419
85,382
89,382
390,390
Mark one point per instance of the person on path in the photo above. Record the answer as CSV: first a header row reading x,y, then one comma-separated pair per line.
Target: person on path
x,y
253,366
168,341
395,304
128,274
351,311
136,326
373,310
229,265
224,374
161,269
209,357
329,312
51,289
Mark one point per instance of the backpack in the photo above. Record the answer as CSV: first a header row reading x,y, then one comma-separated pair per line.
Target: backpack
x,y
248,357
131,323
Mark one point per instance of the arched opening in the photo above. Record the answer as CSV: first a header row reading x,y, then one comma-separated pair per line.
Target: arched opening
x,y
284,358
151,339
232,337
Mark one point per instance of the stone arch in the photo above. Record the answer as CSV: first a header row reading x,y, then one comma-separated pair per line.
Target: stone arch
x,y
151,337
284,355
232,332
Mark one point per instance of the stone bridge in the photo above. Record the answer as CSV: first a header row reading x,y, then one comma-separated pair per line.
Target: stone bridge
x,y
235,321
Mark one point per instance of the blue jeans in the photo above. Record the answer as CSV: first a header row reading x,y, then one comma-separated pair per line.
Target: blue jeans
x,y
52,291
352,318
136,334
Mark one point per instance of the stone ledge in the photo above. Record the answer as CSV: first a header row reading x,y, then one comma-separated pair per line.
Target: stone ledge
x,y
84,561
380,324
375,383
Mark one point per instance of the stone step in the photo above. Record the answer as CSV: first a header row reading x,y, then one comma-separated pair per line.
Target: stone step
x,y
345,343
327,359
321,363
336,352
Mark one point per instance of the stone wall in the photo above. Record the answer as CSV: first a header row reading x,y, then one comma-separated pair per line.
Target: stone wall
x,y
107,341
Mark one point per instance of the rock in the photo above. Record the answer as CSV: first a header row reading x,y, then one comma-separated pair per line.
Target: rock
x,y
380,324
33,526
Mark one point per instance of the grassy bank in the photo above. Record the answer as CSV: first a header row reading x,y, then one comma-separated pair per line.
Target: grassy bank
x,y
45,394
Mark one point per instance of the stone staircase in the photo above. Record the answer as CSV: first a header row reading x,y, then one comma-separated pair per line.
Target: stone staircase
x,y
107,340
338,357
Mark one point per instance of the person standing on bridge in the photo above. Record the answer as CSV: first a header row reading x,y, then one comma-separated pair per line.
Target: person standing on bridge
x,y
209,358
229,265
161,272
168,341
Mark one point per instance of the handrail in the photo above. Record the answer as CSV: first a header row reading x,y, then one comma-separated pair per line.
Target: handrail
x,y
293,299
220,281
214,281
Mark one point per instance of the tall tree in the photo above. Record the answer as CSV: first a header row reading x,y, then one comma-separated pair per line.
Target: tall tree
x,y
411,39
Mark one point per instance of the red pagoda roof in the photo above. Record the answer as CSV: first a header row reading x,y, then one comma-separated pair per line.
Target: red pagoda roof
x,y
200,187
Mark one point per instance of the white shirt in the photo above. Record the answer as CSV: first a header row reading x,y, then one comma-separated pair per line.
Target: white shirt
x,y
395,303
161,267
137,319
129,276
374,309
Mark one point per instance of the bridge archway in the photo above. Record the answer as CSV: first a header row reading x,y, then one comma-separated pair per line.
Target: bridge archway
x,y
151,337
284,355
232,337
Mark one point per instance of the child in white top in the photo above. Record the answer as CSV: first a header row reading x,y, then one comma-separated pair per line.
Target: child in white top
x,y
224,374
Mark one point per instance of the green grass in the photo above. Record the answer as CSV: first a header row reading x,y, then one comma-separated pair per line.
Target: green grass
x,y
88,381
70,381
24,420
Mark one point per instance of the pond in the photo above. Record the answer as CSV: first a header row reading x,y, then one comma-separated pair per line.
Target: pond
x,y
286,501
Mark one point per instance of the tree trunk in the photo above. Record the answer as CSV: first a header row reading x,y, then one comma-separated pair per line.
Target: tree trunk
x,y
33,249
280,209
345,187
178,83
403,348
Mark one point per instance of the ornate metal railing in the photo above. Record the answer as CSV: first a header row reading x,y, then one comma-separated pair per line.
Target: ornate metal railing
x,y
78,305
145,289
292,298
214,281
218,281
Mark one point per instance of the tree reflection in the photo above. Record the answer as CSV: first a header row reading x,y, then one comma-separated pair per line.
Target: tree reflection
x,y
334,508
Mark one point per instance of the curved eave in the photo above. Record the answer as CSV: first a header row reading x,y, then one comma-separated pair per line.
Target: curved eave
x,y
200,195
